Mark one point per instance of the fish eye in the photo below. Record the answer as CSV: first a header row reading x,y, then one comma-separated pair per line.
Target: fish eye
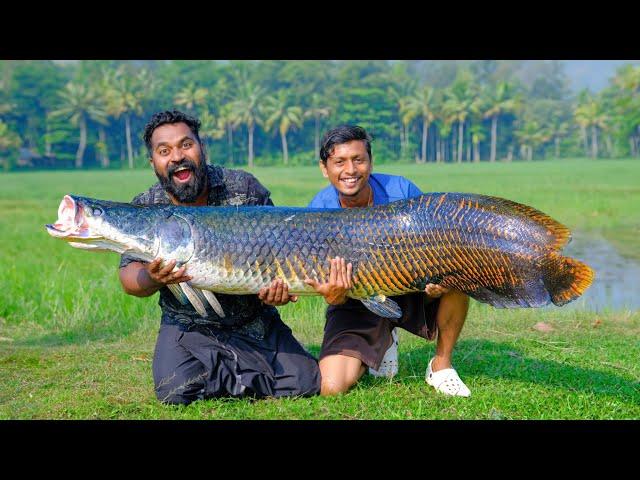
x,y
96,211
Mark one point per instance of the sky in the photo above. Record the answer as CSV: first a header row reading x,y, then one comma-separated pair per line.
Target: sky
x,y
592,74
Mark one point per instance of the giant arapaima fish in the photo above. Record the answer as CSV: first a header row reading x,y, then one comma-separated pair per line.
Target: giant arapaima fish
x,y
497,251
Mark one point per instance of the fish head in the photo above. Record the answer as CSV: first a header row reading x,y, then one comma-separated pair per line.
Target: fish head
x,y
92,224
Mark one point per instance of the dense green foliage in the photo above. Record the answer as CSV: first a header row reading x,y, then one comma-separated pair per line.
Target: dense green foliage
x,y
91,113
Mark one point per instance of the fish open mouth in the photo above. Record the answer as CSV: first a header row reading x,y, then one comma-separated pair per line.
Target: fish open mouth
x,y
71,224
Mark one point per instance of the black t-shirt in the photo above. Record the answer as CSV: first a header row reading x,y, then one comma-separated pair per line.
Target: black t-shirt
x,y
226,187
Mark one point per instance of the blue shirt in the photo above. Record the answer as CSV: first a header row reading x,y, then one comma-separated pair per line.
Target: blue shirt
x,y
386,188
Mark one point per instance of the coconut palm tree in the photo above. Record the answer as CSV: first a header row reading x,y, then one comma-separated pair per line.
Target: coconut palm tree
x,y
530,136
581,117
280,114
80,103
421,104
210,128
627,105
591,114
245,111
461,100
498,101
317,110
401,87
558,128
126,95
628,78
103,93
226,122
445,132
191,96
9,140
478,135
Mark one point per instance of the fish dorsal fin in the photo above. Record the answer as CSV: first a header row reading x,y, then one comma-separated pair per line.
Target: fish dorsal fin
x,y
554,234
382,306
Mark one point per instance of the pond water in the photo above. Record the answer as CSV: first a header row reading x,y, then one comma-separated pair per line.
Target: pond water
x,y
617,280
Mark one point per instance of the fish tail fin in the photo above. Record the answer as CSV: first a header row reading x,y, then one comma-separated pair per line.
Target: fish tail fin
x,y
565,278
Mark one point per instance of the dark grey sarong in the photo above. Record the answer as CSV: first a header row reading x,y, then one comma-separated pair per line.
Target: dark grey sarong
x,y
192,365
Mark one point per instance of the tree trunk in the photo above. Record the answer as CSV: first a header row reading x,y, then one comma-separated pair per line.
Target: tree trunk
x,y
594,141
585,141
460,140
609,145
468,144
476,152
632,145
425,136
83,142
230,142
510,153
317,137
401,140
127,125
250,131
530,155
454,153
494,137
47,142
285,150
104,157
557,143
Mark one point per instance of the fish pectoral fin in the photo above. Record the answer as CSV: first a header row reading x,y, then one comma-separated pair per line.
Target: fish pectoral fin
x,y
185,293
213,301
383,306
194,298
178,293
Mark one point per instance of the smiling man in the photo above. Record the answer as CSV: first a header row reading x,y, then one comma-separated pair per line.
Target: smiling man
x,y
354,337
249,351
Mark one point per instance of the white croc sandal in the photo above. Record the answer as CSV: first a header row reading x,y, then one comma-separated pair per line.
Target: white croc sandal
x,y
447,381
389,365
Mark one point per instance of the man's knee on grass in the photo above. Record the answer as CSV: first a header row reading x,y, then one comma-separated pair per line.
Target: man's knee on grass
x,y
339,373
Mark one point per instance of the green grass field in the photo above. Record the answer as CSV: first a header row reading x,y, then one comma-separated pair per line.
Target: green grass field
x,y
73,345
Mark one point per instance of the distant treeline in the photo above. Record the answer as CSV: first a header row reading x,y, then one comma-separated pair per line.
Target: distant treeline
x,y
91,113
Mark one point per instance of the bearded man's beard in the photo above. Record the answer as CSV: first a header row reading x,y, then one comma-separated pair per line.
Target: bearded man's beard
x,y
185,192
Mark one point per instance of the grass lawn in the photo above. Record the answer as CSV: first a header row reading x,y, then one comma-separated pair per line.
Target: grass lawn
x,y
73,345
